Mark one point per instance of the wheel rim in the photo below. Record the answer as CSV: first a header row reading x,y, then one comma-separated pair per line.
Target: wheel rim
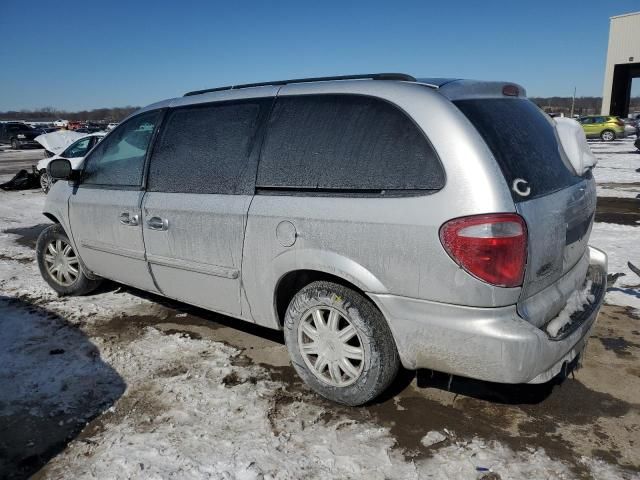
x,y
45,182
608,136
61,262
331,346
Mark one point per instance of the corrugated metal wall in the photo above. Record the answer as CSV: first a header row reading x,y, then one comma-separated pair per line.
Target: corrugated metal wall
x,y
624,43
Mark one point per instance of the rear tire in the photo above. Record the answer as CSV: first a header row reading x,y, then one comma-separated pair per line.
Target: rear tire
x,y
608,135
59,264
14,144
340,343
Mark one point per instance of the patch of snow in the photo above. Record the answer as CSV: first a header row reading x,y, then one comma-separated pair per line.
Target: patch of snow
x,y
622,245
617,162
618,191
575,303
37,346
432,438
575,144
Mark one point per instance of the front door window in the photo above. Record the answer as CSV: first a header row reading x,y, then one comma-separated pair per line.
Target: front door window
x,y
119,159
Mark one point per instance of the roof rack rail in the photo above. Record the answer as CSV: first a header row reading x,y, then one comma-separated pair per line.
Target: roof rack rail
x,y
370,76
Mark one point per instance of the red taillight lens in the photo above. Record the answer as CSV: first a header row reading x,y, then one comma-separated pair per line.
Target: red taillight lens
x,y
491,247
620,123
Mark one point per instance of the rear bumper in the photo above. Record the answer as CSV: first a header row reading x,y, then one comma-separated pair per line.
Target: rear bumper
x,y
492,344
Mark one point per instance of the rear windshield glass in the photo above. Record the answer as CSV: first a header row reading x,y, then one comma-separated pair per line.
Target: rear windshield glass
x,y
524,142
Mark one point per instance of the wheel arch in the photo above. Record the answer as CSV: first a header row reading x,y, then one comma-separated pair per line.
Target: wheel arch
x,y
51,217
293,281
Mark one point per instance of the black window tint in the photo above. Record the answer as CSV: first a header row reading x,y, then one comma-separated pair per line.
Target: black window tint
x,y
205,149
119,159
524,142
345,142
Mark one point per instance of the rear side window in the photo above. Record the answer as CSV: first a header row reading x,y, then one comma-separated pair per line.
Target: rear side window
x,y
524,142
345,143
206,149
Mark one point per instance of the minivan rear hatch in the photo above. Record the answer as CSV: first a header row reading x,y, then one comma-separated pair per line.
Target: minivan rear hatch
x,y
557,204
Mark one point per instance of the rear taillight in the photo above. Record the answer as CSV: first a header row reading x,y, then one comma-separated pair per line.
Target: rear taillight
x,y
619,122
490,247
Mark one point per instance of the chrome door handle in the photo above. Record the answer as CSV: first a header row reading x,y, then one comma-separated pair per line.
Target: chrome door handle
x,y
157,223
129,220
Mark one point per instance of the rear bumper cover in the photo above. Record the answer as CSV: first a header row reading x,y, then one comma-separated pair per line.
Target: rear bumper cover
x,y
492,344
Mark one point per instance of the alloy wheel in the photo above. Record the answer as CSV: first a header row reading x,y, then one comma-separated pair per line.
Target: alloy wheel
x,y
607,136
45,182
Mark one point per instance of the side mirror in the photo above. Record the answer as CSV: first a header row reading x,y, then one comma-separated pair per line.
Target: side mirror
x,y
60,169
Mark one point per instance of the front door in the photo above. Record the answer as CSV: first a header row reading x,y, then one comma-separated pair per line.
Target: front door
x,y
105,209
589,127
200,185
598,125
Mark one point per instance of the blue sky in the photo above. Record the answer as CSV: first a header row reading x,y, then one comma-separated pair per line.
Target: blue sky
x,y
74,55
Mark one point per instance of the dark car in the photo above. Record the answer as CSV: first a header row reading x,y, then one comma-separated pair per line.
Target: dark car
x,y
19,135
89,129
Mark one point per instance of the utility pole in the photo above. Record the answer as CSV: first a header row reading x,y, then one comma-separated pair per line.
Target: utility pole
x,y
573,101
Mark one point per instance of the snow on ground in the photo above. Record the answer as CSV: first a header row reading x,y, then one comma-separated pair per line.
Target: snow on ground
x,y
622,244
617,163
617,176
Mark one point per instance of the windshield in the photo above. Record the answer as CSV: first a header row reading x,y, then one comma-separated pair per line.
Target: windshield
x,y
78,149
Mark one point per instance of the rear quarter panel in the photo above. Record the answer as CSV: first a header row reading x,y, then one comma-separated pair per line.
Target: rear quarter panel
x,y
382,245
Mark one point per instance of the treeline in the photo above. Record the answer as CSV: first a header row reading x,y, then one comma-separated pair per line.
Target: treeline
x,y
583,105
49,114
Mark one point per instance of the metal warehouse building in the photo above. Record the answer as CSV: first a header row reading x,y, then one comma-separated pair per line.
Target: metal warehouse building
x,y
623,63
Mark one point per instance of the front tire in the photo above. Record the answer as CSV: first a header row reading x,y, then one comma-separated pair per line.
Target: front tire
x,y
14,144
340,343
45,181
59,264
608,135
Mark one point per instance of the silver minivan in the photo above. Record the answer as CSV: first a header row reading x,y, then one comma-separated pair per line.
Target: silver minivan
x,y
379,220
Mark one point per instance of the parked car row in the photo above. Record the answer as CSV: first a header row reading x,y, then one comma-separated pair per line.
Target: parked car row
x,y
22,135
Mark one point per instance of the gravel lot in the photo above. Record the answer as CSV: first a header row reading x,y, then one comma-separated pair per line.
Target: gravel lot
x,y
124,384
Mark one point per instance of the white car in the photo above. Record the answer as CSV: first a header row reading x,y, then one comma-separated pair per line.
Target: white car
x,y
75,153
111,126
61,123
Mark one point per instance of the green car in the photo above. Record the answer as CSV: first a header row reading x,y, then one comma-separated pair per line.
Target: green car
x,y
607,127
